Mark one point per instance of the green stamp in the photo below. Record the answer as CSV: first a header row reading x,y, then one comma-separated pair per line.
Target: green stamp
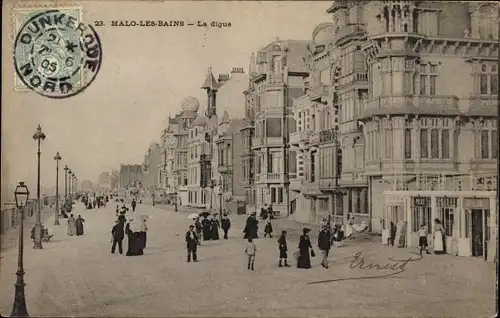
x,y
55,54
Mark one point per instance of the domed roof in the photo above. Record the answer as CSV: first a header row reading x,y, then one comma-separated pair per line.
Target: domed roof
x,y
200,121
322,33
190,104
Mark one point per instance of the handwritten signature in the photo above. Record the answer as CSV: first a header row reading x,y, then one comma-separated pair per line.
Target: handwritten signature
x,y
395,266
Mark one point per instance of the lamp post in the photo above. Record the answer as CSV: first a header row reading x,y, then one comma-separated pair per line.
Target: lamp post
x,y
38,136
220,205
19,309
69,184
56,213
65,183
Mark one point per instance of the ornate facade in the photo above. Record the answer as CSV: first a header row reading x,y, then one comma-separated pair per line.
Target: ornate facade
x,y
277,75
395,89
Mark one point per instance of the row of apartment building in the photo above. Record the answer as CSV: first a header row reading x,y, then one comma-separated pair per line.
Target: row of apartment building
x,y
385,113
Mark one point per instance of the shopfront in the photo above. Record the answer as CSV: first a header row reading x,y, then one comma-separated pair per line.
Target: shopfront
x,y
468,217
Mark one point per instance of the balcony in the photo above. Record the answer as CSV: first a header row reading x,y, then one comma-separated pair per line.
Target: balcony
x,y
314,138
349,31
416,105
355,78
483,105
224,168
275,78
299,136
273,176
317,92
327,135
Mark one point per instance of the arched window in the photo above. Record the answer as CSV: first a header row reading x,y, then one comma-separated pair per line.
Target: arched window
x,y
488,22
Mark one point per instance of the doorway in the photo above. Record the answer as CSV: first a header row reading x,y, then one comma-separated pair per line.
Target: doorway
x,y
477,232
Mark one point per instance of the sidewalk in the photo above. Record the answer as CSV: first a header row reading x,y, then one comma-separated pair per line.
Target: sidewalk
x,y
11,238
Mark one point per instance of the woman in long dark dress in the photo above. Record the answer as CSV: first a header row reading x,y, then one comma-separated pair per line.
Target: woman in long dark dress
x,y
304,259
214,230
206,224
79,225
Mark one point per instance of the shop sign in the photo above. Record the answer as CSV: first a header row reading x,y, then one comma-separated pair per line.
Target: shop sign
x,y
472,203
421,201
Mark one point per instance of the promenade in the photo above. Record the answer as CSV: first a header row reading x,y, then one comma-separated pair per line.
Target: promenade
x,y
78,276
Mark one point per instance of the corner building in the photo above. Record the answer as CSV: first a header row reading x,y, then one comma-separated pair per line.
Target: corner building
x,y
277,74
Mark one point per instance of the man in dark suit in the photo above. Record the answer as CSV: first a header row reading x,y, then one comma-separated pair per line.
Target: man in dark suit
x,y
324,244
118,235
192,243
226,224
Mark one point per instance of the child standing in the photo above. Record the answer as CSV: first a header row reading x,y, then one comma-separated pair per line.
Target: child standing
x,y
422,239
268,230
283,249
250,252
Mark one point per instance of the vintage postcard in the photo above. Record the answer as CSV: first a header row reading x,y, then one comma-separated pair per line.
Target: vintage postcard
x,y
249,158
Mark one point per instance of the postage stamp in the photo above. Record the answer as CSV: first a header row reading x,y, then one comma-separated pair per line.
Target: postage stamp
x,y
55,54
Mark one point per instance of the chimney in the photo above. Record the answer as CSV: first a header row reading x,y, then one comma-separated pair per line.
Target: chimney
x,y
238,70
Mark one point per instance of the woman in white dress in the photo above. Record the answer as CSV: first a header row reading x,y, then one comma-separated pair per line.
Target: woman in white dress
x,y
438,245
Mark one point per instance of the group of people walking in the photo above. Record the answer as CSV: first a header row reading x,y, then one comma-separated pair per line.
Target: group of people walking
x,y
75,226
206,230
135,229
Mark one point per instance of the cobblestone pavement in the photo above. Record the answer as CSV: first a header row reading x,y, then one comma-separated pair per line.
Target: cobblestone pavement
x,y
77,276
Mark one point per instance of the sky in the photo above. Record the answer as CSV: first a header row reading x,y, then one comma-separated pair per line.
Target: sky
x,y
145,74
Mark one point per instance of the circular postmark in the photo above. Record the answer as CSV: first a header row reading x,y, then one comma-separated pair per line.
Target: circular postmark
x,y
56,56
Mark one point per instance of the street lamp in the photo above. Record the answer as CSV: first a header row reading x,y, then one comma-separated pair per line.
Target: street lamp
x,y
220,205
69,184
38,136
19,309
65,183
56,216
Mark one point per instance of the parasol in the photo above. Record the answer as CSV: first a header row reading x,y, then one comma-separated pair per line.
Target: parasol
x,y
193,216
206,213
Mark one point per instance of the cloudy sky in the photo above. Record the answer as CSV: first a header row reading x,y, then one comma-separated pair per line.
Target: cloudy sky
x,y
145,74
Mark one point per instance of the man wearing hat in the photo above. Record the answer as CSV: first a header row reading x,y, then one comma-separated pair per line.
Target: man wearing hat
x,y
192,243
283,249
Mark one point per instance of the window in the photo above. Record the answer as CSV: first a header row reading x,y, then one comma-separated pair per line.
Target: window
x,y
488,80
428,79
388,143
487,22
424,143
273,195
407,143
445,144
494,144
273,127
485,151
325,76
313,166
280,195
434,143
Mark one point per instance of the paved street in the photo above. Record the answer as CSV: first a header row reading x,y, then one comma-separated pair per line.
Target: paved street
x,y
77,276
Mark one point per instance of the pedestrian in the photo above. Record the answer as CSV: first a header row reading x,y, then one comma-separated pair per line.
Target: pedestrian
x,y
439,247
270,212
117,233
226,225
422,239
117,209
192,244
198,228
283,249
71,225
392,237
133,204
324,245
251,227
263,212
303,256
250,251
134,246
214,228
205,223
268,229
79,225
